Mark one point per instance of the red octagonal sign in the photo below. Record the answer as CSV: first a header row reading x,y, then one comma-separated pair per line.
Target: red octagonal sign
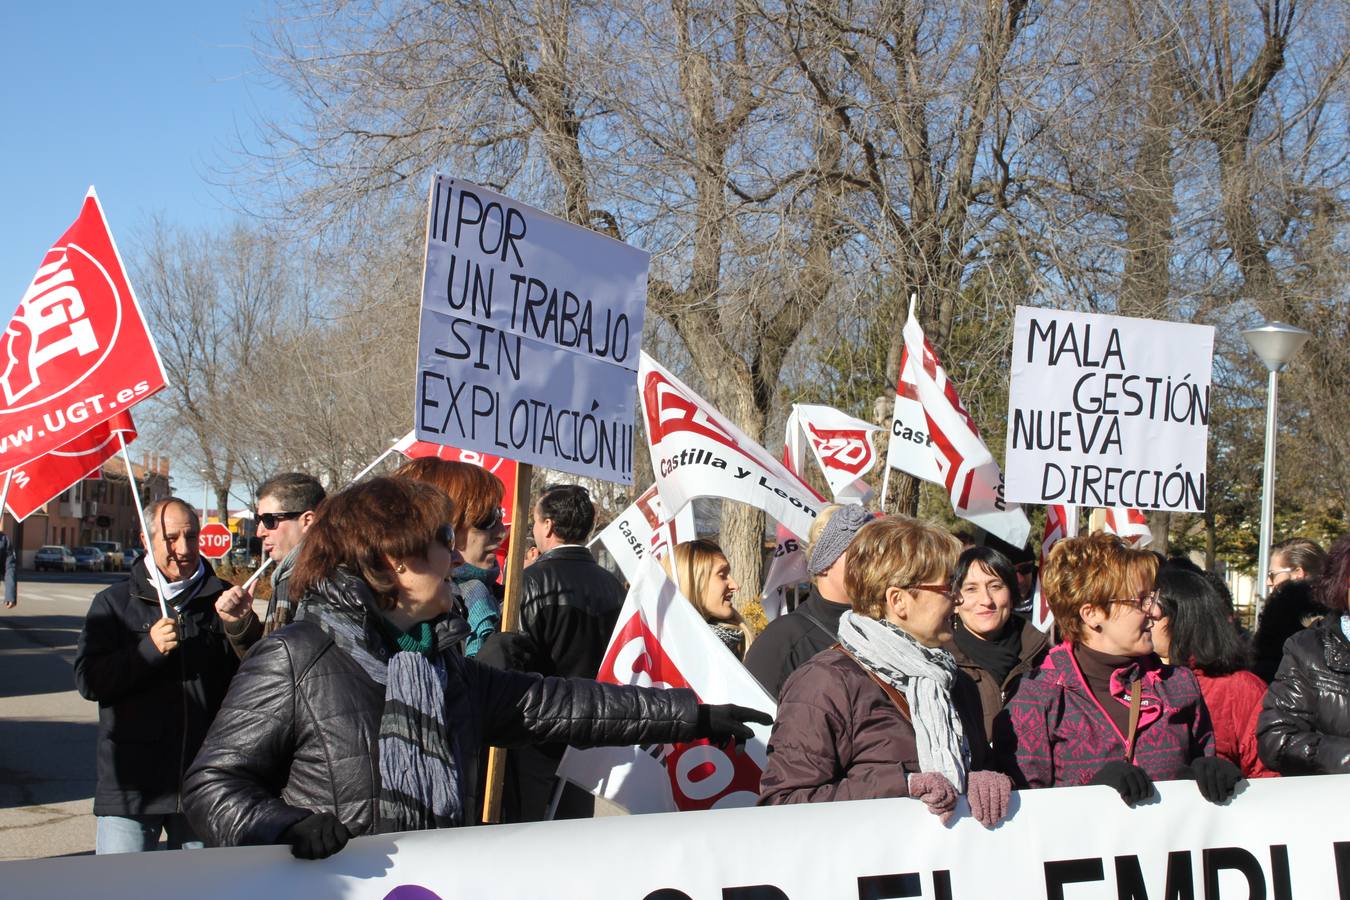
x,y
215,540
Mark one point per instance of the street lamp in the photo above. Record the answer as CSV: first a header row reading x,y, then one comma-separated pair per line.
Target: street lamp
x,y
1276,343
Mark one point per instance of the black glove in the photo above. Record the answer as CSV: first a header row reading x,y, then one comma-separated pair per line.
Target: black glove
x,y
317,836
507,650
1217,777
1130,781
724,722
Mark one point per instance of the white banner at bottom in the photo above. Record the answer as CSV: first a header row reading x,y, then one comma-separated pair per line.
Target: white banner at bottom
x,y
1279,839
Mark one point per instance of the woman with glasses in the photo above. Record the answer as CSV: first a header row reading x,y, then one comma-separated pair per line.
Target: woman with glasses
x,y
1304,728
361,717
1195,629
886,712
477,496
1103,709
991,644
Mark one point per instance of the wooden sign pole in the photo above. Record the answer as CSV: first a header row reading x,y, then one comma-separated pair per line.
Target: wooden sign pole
x,y
522,511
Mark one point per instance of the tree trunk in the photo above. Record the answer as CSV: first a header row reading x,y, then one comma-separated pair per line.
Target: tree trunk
x,y
1160,523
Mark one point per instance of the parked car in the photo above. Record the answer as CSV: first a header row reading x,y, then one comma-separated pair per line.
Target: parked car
x,y
112,554
54,556
88,558
130,555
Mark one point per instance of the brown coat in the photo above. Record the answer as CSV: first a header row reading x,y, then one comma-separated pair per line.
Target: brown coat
x,y
839,737
993,695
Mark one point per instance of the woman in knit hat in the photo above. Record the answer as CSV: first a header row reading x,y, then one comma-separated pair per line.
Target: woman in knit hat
x,y
790,640
704,575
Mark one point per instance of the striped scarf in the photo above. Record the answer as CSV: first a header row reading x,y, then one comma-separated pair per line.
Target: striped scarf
x,y
418,760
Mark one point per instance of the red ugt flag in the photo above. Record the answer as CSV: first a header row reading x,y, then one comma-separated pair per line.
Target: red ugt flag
x,y
34,483
77,350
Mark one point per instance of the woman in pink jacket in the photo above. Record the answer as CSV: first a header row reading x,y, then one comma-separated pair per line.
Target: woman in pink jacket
x,y
1103,709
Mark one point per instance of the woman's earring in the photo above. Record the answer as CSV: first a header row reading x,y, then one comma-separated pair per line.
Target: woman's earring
x,y
401,568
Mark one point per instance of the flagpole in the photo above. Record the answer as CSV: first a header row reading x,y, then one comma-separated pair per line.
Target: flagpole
x,y
885,488
495,780
156,578
379,459
4,494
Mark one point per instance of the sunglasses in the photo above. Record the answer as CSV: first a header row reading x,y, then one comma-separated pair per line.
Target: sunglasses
x,y
445,535
490,521
271,520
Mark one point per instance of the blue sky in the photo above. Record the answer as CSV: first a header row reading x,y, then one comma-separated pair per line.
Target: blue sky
x,y
144,99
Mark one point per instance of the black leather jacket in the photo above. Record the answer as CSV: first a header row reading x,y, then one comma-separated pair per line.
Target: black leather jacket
x,y
153,709
299,729
1304,728
569,604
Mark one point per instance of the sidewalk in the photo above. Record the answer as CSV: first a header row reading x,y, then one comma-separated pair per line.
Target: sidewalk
x,y
47,730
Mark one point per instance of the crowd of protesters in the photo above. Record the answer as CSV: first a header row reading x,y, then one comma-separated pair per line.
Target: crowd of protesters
x,y
364,699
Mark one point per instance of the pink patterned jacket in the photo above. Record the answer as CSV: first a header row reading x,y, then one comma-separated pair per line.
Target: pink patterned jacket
x,y
1054,733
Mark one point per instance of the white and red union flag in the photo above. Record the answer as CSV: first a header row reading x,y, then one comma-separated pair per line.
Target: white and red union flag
x,y
1060,522
660,641
965,466
1131,525
698,452
842,446
77,350
36,482
788,565
646,529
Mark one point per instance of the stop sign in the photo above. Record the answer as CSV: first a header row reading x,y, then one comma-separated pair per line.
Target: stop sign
x,y
215,540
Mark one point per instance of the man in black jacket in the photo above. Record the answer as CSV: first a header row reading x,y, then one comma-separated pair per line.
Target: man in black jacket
x,y
158,680
569,605
791,640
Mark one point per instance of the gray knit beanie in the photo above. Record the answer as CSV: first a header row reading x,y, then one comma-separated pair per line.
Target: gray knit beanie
x,y
836,536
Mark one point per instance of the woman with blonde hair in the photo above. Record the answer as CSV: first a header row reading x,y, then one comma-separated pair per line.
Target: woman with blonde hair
x,y
885,712
477,497
703,574
1103,708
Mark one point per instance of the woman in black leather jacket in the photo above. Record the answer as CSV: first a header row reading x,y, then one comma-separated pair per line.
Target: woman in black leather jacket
x,y
361,717
1304,728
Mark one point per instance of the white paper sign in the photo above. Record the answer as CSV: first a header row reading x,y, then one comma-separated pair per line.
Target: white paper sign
x,y
1279,838
1108,411
530,334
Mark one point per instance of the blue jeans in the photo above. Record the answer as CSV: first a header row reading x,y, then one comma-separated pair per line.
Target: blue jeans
x,y
136,834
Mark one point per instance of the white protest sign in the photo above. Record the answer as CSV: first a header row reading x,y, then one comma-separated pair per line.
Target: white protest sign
x,y
530,331
1279,838
698,452
1108,411
661,640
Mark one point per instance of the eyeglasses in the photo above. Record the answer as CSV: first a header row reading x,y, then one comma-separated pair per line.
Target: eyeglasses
x,y
943,589
1274,573
271,520
490,521
1145,603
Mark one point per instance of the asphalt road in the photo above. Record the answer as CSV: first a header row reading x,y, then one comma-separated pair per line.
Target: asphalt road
x,y
47,730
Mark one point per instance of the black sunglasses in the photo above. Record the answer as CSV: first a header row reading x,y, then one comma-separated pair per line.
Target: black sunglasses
x,y
445,535
272,520
490,521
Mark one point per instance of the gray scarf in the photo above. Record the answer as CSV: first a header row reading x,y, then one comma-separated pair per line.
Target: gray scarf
x,y
924,675
418,759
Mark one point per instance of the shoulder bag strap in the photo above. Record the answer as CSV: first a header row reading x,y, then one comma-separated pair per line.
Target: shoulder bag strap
x,y
896,697
1136,699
